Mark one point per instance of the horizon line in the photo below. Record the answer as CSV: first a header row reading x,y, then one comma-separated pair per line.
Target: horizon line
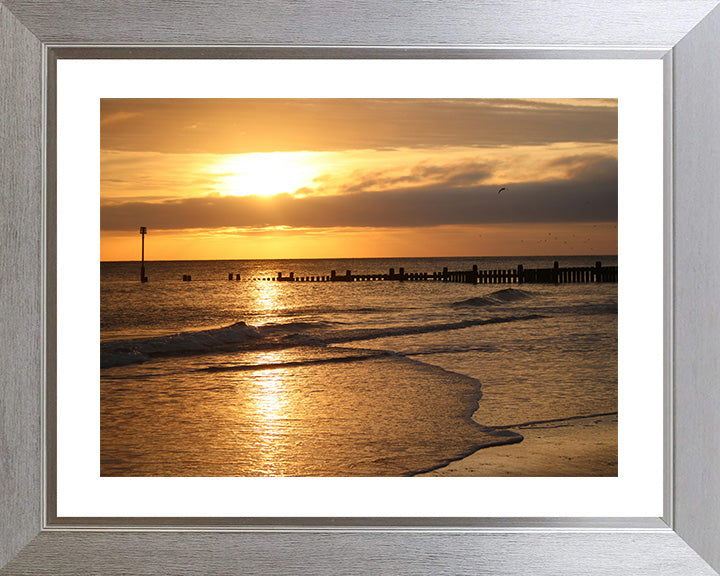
x,y
365,258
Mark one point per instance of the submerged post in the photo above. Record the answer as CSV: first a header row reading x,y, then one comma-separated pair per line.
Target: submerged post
x,y
143,278
556,272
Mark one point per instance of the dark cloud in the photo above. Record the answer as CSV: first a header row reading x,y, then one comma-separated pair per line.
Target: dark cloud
x,y
589,197
235,126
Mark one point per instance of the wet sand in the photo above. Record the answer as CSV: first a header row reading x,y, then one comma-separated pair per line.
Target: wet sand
x,y
583,447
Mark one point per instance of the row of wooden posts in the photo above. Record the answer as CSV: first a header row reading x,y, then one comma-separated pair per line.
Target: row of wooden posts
x,y
519,275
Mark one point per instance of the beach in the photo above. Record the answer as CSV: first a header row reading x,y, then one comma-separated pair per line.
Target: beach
x,y
582,447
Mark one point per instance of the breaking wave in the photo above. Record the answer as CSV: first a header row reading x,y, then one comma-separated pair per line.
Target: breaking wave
x,y
498,297
240,336
121,352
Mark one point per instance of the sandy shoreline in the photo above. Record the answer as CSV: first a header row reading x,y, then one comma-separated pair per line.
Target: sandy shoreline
x,y
582,447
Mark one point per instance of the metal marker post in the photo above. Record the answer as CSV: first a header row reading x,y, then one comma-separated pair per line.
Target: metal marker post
x,y
143,278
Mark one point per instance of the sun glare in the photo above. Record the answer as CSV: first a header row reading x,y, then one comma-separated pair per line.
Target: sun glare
x,y
265,174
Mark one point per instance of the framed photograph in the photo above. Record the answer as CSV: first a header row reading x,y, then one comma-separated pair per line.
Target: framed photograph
x,y
447,302
285,236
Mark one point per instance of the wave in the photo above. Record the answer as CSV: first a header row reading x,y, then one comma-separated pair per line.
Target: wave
x,y
374,333
121,352
370,355
498,297
272,336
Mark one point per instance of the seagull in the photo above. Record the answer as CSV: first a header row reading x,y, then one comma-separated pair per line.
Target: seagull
x,y
501,189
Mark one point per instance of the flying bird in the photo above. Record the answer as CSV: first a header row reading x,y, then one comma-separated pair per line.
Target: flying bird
x,y
501,189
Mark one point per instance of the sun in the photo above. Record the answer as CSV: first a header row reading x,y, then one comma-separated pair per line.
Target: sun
x,y
265,174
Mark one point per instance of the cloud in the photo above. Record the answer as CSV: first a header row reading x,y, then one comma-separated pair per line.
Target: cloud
x,y
583,164
591,196
236,126
450,175
116,117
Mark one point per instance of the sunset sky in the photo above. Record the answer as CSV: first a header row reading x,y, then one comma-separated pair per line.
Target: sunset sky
x,y
311,178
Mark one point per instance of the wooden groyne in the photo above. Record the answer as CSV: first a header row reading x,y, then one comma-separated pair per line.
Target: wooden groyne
x,y
519,275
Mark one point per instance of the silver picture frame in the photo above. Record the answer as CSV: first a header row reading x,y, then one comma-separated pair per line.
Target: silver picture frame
x,y
684,34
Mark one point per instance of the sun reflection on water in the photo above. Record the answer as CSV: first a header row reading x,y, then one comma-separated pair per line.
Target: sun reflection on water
x,y
266,411
270,405
267,298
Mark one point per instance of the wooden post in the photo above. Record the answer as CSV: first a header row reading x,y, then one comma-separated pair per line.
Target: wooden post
x,y
230,276
143,278
332,275
598,271
556,272
402,274
445,274
292,276
520,276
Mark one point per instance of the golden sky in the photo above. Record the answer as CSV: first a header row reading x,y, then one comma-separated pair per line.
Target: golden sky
x,y
311,178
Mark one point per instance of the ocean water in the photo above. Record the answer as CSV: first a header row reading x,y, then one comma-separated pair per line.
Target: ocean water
x,y
253,378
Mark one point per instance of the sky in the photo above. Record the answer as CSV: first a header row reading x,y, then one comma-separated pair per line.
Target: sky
x,y
341,178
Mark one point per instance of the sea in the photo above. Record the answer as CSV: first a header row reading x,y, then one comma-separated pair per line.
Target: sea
x,y
254,377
